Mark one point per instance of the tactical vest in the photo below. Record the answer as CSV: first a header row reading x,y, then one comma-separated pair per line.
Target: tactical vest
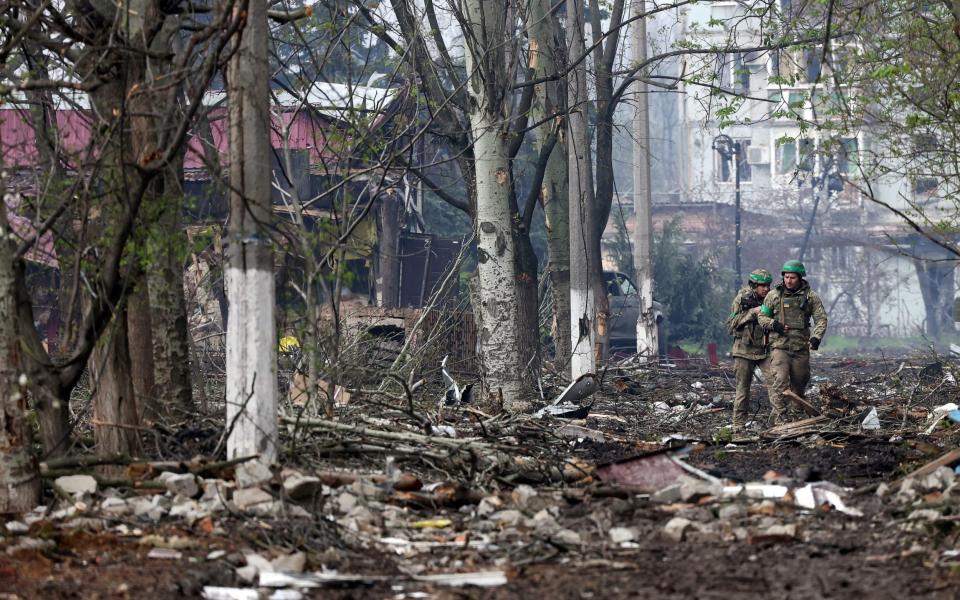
x,y
793,309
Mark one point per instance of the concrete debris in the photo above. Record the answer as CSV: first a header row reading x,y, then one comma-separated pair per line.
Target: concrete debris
x,y
247,498
618,535
115,507
180,484
16,527
76,485
676,528
298,486
294,562
253,473
522,494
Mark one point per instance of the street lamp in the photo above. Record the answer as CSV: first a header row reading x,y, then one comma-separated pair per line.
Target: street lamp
x,y
727,148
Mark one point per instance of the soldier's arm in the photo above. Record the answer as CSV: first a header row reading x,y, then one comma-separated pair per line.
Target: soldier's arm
x,y
819,316
767,311
735,318
740,316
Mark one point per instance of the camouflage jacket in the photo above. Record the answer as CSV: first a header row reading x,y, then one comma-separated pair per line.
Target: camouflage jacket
x,y
794,309
749,338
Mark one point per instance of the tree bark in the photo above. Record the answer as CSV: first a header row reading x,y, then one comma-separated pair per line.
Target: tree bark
x,y
498,294
171,347
547,56
19,477
388,251
588,298
140,337
647,342
251,330
115,416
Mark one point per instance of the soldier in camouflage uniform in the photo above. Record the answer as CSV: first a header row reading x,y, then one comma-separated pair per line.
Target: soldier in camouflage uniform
x,y
786,314
749,344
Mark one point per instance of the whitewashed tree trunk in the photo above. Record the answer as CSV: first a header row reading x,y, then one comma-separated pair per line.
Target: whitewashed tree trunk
x,y
19,477
489,87
251,329
647,342
584,321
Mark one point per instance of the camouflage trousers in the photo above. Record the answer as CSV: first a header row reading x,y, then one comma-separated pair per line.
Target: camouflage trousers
x,y
790,369
743,369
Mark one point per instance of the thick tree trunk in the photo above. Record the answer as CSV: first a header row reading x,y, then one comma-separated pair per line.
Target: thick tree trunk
x,y
171,346
115,416
498,294
251,330
19,477
588,298
140,338
647,336
548,52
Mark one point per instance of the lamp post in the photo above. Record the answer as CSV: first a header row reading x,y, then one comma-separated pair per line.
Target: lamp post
x,y
727,148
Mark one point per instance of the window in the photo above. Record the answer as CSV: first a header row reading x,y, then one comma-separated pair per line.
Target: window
x,y
795,154
741,75
848,161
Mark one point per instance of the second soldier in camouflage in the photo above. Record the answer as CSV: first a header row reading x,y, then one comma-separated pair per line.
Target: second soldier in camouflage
x,y
749,343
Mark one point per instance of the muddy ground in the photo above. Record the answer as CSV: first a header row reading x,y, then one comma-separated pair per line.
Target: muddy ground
x,y
564,537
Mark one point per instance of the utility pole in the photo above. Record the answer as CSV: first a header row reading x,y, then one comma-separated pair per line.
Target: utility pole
x,y
647,342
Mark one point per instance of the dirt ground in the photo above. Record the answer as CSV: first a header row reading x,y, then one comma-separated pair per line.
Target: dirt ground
x,y
561,543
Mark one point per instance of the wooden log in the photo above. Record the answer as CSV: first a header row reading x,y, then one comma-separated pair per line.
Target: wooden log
x,y
800,402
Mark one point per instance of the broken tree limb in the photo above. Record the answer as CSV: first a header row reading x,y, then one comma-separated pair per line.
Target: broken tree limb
x,y
801,403
481,453
74,463
946,460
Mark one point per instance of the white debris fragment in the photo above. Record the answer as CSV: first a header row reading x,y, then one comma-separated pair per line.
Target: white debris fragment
x,y
619,535
872,421
228,593
814,495
76,484
165,554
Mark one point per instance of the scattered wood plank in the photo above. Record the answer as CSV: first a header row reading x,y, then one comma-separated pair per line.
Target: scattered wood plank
x,y
801,403
950,458
794,428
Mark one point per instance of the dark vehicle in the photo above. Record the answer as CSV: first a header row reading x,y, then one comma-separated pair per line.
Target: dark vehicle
x,y
624,313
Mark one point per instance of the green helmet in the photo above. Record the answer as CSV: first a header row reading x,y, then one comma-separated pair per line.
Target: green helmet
x,y
760,277
794,266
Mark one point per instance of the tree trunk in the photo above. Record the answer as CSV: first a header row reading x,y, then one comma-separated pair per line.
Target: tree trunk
x,y
588,298
647,335
19,477
140,338
547,55
171,347
251,330
115,416
388,251
528,305
498,293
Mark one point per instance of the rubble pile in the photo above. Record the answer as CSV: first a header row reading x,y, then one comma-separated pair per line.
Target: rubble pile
x,y
464,497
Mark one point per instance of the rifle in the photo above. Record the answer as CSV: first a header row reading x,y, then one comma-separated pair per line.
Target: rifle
x,y
748,301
